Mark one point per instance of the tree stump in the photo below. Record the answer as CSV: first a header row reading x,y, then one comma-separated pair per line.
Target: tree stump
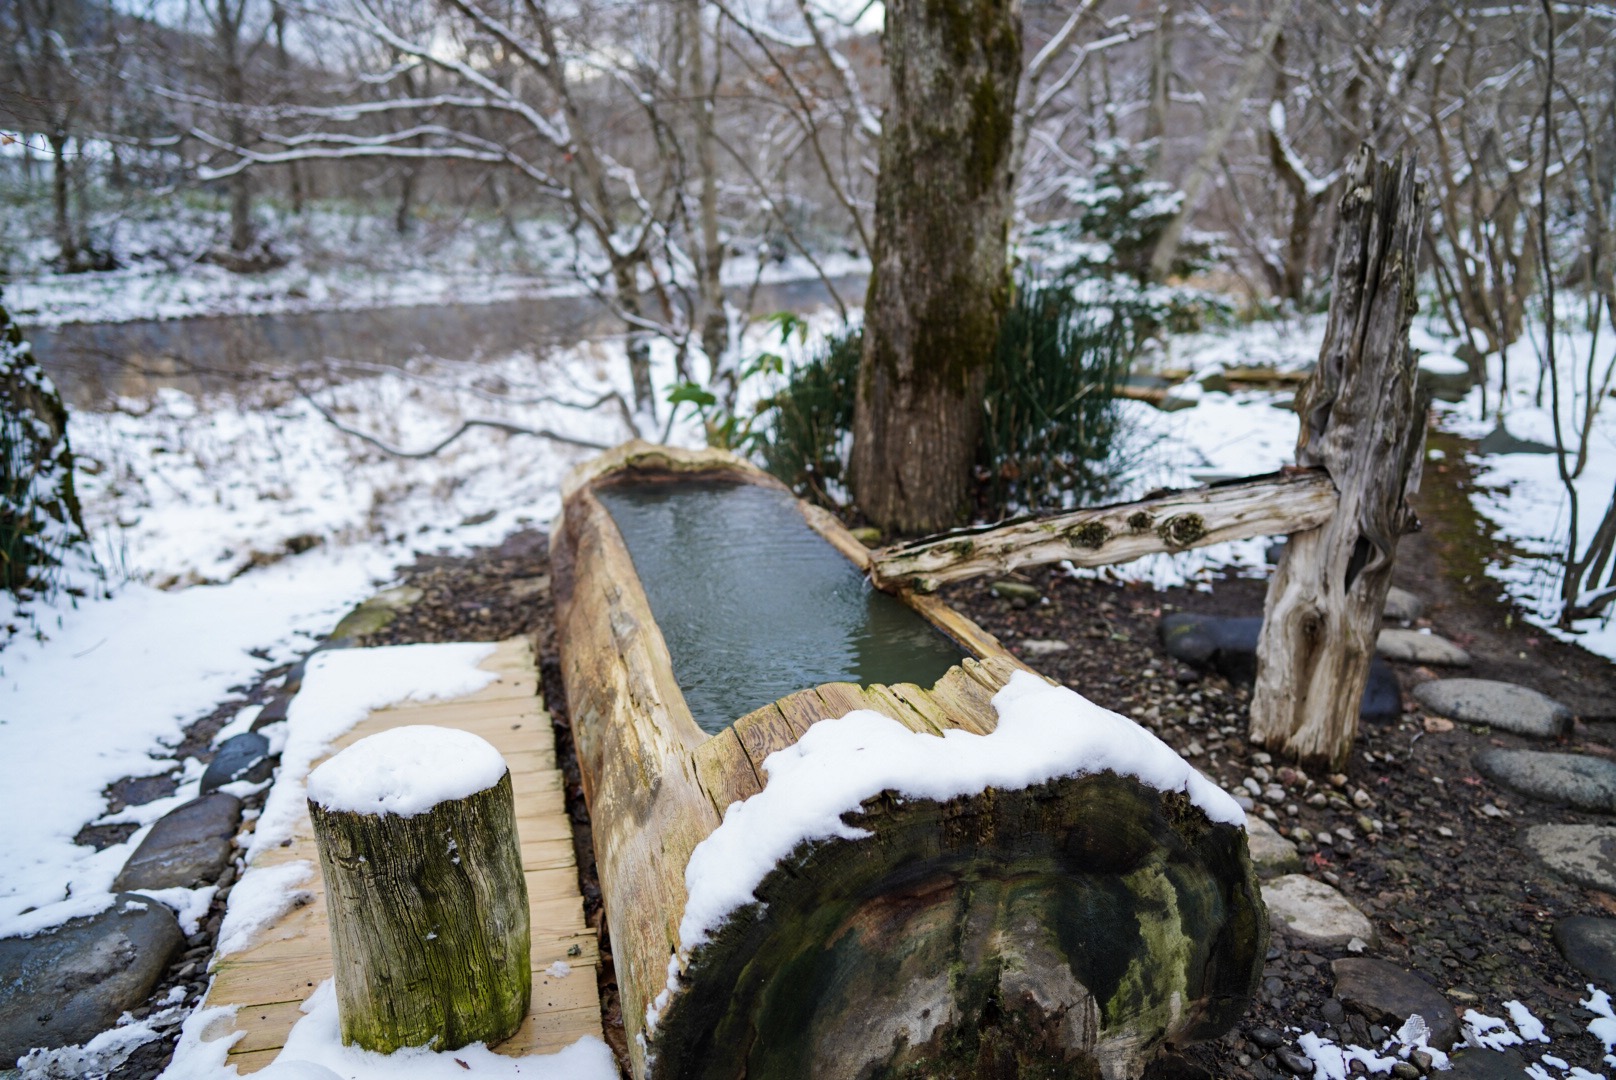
x,y
416,829
1363,421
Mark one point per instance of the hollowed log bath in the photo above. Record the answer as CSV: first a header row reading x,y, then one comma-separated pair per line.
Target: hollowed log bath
x,y
1068,916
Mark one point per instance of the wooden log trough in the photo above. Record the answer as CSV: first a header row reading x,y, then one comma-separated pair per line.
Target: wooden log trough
x,y
1072,922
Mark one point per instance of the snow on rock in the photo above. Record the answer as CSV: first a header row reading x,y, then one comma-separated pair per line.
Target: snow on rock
x,y
406,771
262,896
1443,364
314,1051
1603,1025
340,688
190,906
1488,1032
1044,732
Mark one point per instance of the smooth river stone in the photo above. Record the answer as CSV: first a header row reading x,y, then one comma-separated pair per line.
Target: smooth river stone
x,y
1314,913
1500,705
1585,854
1587,783
1417,648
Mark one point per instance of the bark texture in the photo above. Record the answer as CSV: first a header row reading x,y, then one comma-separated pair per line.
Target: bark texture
x,y
1236,510
1065,929
430,930
939,281
1363,421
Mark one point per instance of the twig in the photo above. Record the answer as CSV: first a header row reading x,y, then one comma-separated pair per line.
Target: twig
x,y
465,426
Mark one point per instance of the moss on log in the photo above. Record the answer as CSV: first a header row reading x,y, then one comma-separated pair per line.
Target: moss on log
x,y
429,922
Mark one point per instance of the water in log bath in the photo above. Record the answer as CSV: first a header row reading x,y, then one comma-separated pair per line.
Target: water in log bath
x,y
768,607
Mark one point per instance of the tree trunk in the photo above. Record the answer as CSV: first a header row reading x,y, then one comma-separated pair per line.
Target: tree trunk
x,y
1363,420
1066,928
939,282
430,930
67,245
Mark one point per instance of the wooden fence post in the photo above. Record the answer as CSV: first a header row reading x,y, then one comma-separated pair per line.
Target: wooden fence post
x,y
1363,420
430,932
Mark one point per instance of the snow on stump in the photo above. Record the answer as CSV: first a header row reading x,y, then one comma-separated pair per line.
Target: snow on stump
x,y
416,829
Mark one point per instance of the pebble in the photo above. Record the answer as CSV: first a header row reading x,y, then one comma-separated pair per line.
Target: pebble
x,y
1044,647
1266,1037
187,848
1299,1064
1413,647
1271,853
1501,705
241,757
1402,606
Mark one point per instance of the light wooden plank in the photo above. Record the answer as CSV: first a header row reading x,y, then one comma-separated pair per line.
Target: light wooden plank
x,y
269,981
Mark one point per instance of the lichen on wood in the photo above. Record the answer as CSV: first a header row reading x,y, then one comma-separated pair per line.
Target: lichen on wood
x,y
430,930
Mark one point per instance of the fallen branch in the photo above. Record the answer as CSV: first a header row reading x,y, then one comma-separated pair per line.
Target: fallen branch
x,y
465,426
1278,503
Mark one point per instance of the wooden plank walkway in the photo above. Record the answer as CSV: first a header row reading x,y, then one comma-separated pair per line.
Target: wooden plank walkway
x,y
270,981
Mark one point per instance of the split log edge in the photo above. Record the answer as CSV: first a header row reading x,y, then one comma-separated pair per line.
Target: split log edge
x,y
1076,924
1274,504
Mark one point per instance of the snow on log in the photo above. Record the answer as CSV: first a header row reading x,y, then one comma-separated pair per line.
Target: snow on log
x,y
1275,504
990,876
430,935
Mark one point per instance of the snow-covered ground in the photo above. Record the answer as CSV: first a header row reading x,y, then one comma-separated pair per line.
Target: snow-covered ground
x,y
334,258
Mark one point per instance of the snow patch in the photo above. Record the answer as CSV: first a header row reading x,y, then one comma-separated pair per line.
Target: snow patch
x,y
262,896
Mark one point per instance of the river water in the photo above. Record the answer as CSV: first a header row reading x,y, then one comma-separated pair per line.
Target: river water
x,y
95,363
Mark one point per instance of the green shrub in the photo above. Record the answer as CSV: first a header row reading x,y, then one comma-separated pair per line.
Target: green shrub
x,y
1049,420
1050,424
809,440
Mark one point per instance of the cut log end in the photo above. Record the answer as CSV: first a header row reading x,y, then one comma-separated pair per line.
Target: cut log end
x,y
1075,926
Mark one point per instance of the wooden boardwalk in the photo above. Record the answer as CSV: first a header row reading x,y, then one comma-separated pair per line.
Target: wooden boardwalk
x,y
270,981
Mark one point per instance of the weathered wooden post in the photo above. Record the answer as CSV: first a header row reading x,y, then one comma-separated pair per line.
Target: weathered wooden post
x,y
416,829
1363,420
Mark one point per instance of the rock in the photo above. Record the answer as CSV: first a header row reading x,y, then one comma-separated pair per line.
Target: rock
x,y
1585,854
377,612
1314,913
1500,705
1298,1063
1486,1065
1385,993
1587,783
1499,441
1402,606
1039,647
1015,590
273,713
1589,944
1227,645
65,986
1271,853
1222,643
187,848
1383,695
240,757
1447,377
1417,648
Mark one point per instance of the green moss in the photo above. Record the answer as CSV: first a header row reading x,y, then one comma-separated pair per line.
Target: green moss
x,y
1140,521
1090,534
1182,530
